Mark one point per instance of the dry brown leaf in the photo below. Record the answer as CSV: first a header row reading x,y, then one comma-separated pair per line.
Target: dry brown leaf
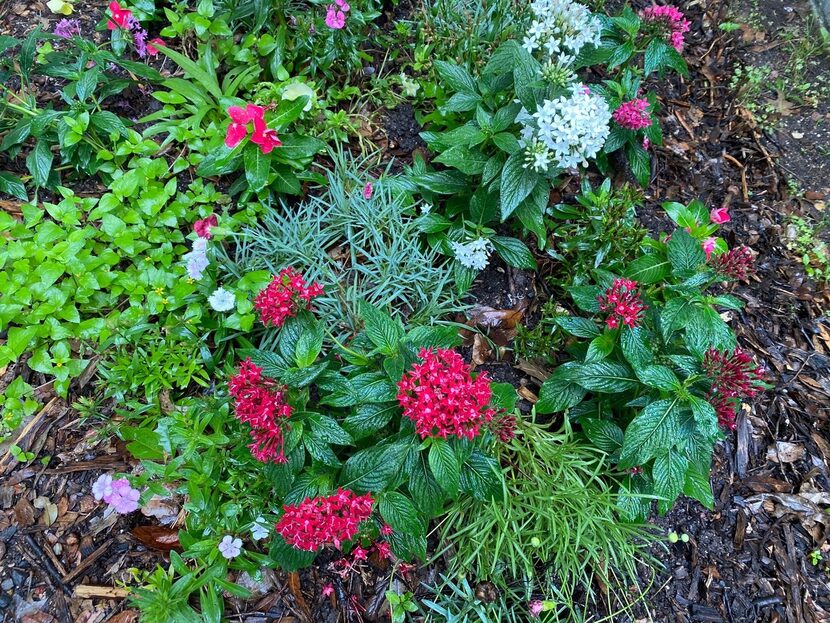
x,y
24,513
125,616
785,452
481,349
158,537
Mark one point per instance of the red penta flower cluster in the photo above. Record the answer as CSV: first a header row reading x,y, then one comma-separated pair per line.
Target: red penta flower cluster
x,y
441,397
322,520
260,403
737,263
284,297
734,376
633,115
503,426
623,301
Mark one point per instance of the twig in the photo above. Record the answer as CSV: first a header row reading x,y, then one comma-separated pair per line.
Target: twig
x,y
89,591
88,562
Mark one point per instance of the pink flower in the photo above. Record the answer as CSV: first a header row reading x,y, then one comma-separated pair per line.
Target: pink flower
x,y
154,44
124,499
386,530
119,17
669,21
633,115
535,608
358,553
262,136
646,143
709,246
383,549
623,301
322,520
734,377
261,403
202,226
328,590
102,488
504,427
368,190
238,129
284,297
719,215
737,263
441,397
335,17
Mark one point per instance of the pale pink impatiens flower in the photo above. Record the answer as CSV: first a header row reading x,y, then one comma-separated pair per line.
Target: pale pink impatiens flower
x,y
719,215
124,498
336,14
230,547
709,246
102,488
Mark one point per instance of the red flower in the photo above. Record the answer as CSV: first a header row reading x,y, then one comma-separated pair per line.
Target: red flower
x,y
734,377
633,115
623,301
737,263
260,403
441,397
284,297
383,549
154,44
202,226
504,427
238,129
719,215
322,520
119,17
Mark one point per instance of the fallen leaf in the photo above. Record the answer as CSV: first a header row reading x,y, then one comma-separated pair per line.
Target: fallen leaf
x,y
125,616
785,452
158,537
481,349
50,510
24,513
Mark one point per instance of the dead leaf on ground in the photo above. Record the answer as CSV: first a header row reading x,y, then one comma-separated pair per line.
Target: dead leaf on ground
x,y
481,349
24,513
125,616
785,452
158,537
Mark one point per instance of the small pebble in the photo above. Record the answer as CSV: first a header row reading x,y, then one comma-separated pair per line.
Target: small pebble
x,y
7,584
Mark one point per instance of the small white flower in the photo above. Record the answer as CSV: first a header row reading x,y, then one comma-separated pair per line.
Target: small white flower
x,y
102,487
221,300
426,208
561,27
197,260
474,254
260,529
230,547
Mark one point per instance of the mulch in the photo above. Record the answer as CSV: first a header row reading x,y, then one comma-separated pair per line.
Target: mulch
x,y
760,556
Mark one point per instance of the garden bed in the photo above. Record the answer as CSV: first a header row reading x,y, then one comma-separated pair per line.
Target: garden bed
x,y
757,145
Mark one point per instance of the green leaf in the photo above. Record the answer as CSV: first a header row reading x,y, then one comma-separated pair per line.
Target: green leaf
x,y
370,418
425,490
604,434
517,182
289,558
39,162
601,346
309,344
706,419
669,474
697,486
580,327
257,167
514,252
204,78
560,390
397,510
504,397
456,77
648,269
605,377
328,430
634,347
445,466
676,313
288,111
468,160
11,185
585,297
655,55
298,148
653,430
685,253
481,477
659,377
374,468
383,331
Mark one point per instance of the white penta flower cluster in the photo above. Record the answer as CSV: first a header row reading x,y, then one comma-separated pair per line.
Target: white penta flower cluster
x,y
565,132
474,254
561,28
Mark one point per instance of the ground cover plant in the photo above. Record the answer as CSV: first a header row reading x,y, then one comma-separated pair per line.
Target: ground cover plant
x,y
374,304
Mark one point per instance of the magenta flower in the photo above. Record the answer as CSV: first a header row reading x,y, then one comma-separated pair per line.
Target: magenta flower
x,y
323,520
633,115
368,190
623,300
203,226
67,28
737,263
709,246
719,215
336,14
669,20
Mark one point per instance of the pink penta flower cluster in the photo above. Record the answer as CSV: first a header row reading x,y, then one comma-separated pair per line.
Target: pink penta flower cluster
x,y
67,28
238,129
623,302
719,215
441,397
671,21
322,520
336,14
261,403
737,263
117,493
734,376
633,115
122,18
284,297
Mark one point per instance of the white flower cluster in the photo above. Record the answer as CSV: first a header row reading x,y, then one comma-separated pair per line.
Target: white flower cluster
x,y
473,254
565,132
561,28
197,259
